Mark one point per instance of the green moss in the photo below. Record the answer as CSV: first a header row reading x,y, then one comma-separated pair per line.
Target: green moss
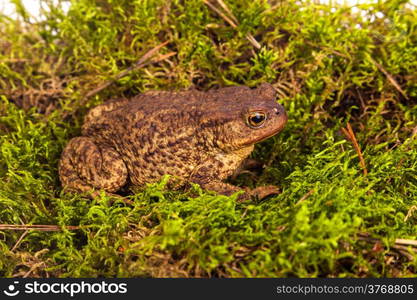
x,y
330,66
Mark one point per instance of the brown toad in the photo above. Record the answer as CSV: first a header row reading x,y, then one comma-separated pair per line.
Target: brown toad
x,y
201,137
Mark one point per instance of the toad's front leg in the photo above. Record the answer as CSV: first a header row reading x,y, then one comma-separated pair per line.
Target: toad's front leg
x,y
85,166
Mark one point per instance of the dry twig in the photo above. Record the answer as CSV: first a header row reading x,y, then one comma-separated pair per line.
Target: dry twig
x,y
350,135
36,227
406,242
390,78
414,133
231,19
308,194
402,246
325,48
378,65
410,212
19,241
143,61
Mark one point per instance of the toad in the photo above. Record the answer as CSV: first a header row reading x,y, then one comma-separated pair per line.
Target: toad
x,y
200,137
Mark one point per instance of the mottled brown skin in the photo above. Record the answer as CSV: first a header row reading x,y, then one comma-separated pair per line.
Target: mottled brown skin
x,y
201,137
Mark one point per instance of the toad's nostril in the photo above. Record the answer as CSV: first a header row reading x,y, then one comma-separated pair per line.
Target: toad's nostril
x,y
277,111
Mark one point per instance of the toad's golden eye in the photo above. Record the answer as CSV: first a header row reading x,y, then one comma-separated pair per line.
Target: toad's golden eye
x,y
256,119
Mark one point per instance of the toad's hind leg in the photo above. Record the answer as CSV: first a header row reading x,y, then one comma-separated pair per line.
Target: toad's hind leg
x,y
85,165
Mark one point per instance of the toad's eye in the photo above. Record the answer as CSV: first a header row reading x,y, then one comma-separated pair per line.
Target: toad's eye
x,y
256,119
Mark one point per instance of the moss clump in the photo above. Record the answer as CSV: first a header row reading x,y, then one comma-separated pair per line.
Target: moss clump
x,y
331,66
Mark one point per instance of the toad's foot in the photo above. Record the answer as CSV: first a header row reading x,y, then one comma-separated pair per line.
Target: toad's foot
x,y
258,193
262,192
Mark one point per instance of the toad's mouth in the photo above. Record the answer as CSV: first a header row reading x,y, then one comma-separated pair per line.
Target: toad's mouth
x,y
263,138
267,135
